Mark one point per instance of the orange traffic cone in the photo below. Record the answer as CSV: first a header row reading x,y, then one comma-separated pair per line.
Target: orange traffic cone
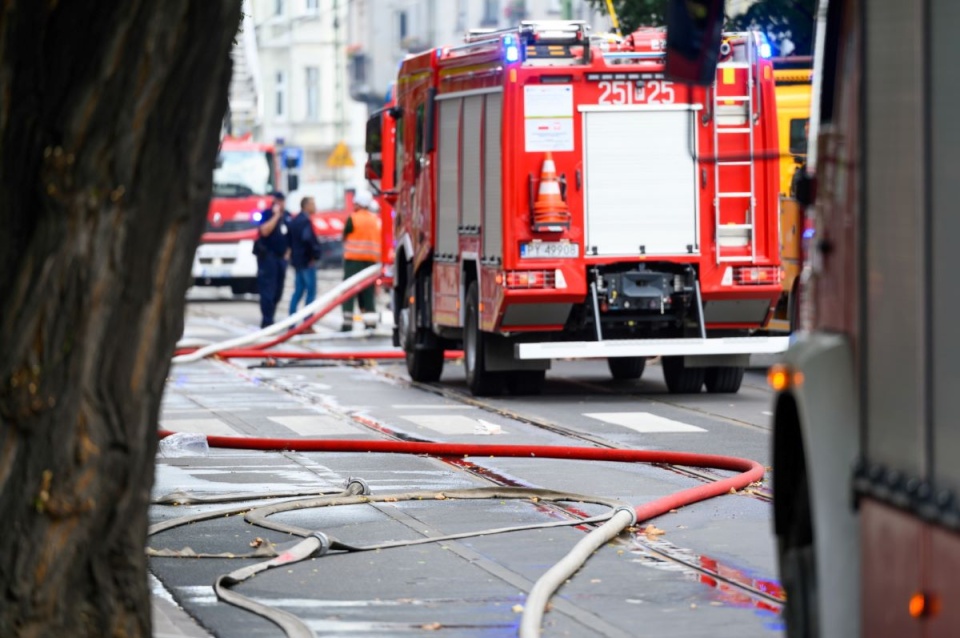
x,y
550,211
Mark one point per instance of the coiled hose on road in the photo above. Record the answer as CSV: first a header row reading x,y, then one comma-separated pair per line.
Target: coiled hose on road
x,y
747,472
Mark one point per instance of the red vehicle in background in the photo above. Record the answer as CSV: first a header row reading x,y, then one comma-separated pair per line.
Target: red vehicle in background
x,y
246,173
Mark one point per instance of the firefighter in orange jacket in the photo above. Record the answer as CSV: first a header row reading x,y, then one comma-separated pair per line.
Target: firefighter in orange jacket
x,y
361,248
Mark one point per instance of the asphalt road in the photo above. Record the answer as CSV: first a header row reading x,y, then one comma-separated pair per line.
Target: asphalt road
x,y
711,572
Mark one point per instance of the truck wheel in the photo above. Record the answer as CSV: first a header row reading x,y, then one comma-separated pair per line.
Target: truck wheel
x,y
723,379
424,365
626,368
797,557
681,379
526,382
481,381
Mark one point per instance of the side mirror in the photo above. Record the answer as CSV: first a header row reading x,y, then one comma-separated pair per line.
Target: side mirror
x,y
293,183
373,169
694,32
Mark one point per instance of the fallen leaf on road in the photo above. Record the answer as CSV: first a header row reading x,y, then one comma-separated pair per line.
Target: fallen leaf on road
x,y
517,609
440,497
650,530
434,626
595,580
390,499
673,511
257,542
733,490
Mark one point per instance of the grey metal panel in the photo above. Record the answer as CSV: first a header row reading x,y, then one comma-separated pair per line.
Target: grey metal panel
x,y
640,183
536,314
737,311
945,199
448,195
493,178
894,203
470,160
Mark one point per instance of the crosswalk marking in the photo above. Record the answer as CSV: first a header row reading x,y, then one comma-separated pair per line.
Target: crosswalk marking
x,y
644,422
451,424
315,425
199,426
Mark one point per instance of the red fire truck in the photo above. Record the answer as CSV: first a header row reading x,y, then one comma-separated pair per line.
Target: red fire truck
x,y
866,478
246,173
551,202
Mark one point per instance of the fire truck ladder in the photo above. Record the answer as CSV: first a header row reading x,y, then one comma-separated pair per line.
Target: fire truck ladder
x,y
719,102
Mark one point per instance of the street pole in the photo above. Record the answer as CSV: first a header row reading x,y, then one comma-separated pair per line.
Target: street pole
x,y
567,9
338,93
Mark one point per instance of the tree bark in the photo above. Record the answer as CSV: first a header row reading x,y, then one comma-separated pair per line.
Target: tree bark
x,y
110,114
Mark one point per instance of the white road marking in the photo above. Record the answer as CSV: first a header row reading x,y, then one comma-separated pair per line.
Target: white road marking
x,y
644,422
199,426
431,407
315,425
447,423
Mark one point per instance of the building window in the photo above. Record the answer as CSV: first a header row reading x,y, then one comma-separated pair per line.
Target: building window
x,y
402,22
278,8
313,5
281,85
491,13
313,92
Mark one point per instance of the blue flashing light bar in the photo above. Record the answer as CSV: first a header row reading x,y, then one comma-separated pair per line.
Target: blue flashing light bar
x,y
766,51
512,52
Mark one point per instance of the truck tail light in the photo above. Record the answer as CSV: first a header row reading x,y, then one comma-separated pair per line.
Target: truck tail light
x,y
528,279
756,275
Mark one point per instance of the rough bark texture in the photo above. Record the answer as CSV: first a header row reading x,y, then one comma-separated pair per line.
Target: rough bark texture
x,y
109,121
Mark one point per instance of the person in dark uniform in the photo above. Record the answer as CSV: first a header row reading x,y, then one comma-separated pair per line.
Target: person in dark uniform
x,y
272,250
305,252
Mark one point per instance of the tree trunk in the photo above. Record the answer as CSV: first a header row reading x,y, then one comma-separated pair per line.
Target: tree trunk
x,y
110,113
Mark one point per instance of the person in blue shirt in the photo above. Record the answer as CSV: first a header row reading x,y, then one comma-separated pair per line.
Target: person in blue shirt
x,y
305,252
272,249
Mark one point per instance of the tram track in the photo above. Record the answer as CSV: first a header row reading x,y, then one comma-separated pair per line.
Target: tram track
x,y
555,428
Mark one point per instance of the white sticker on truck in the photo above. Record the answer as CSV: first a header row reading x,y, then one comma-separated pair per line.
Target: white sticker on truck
x,y
548,118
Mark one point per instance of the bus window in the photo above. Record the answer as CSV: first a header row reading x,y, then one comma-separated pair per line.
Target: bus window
x,y
798,136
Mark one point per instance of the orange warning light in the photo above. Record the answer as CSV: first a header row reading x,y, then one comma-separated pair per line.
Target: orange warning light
x,y
781,377
922,605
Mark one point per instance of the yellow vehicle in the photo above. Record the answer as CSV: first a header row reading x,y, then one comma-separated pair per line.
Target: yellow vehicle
x,y
793,78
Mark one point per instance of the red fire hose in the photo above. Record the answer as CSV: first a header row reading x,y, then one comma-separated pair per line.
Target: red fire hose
x,y
749,471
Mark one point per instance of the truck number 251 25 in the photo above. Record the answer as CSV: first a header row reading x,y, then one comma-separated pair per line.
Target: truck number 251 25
x,y
623,92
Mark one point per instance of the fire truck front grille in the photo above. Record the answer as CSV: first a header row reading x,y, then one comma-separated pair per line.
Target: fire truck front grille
x,y
230,227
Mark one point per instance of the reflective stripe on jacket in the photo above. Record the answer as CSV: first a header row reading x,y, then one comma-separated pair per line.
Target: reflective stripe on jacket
x,y
363,244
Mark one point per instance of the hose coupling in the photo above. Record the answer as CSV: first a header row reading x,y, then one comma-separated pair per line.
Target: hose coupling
x,y
324,543
629,510
357,486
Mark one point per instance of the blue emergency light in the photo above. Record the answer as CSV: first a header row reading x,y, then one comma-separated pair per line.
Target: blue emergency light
x,y
512,53
766,51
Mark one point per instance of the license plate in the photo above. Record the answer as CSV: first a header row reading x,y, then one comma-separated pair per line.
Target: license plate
x,y
217,273
217,250
548,249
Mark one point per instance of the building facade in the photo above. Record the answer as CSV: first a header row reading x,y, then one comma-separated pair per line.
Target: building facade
x,y
306,105
383,32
